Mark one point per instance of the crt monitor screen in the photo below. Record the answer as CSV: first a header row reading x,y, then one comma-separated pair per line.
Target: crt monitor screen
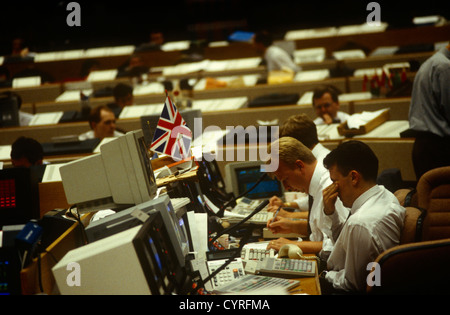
x,y
19,198
117,178
158,258
248,176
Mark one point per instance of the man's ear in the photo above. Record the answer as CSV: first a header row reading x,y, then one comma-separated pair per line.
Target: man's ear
x,y
355,177
300,164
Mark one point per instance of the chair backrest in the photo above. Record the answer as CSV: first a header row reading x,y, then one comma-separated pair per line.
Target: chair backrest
x,y
433,195
411,226
416,268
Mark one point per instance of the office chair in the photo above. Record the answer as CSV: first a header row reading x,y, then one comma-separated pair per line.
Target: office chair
x,y
412,225
433,195
416,268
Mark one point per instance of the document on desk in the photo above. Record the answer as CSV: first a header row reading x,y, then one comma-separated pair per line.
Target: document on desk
x,y
52,174
73,95
26,82
150,88
307,55
136,111
230,103
313,75
198,227
5,152
46,119
102,75
359,119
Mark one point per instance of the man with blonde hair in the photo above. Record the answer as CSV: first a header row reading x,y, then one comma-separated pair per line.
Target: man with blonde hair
x,y
299,170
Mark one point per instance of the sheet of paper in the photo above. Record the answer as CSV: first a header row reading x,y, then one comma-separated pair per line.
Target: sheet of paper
x,y
51,173
5,152
198,226
46,118
26,82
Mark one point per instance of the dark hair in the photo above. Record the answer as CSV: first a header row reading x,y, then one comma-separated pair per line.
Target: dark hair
x,y
122,90
28,148
264,38
95,114
354,155
302,128
321,90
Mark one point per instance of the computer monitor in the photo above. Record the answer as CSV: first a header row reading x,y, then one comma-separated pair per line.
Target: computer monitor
x,y
149,122
9,109
118,177
19,196
241,176
140,260
129,218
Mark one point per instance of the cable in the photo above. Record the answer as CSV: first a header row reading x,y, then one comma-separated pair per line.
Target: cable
x,y
237,253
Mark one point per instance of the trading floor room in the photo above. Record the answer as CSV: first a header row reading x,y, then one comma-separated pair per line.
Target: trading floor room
x,y
225,148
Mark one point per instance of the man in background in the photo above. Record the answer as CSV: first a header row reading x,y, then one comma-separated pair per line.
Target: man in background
x,y
325,102
26,152
429,113
103,124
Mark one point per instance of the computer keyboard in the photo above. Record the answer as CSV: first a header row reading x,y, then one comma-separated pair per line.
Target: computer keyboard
x,y
258,254
285,266
255,282
259,218
244,208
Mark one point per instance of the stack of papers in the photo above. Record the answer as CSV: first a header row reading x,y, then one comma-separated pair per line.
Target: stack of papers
x,y
73,95
46,119
359,119
136,111
230,103
313,75
102,75
309,55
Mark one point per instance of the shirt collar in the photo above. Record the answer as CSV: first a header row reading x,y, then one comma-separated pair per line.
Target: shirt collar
x,y
446,52
314,185
364,197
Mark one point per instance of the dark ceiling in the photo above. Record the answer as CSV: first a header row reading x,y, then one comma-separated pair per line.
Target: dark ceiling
x,y
43,23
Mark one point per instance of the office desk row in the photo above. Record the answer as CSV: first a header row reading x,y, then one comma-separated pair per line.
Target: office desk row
x,y
70,68
49,92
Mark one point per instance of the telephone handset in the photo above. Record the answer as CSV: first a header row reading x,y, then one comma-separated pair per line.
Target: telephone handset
x,y
294,252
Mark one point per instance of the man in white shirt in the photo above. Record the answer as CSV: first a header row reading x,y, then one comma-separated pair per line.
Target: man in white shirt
x,y
276,57
326,105
299,170
103,124
375,221
302,128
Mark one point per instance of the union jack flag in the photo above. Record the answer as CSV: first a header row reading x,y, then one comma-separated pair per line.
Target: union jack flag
x,y
172,136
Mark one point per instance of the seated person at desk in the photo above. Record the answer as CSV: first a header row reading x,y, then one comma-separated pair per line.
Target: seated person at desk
x,y
103,124
275,57
374,223
302,128
123,96
299,170
325,102
26,152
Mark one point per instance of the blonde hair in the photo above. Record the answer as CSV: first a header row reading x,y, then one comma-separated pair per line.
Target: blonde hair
x,y
289,150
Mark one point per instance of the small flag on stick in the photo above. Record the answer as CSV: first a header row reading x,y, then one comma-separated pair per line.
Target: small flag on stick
x,y
172,136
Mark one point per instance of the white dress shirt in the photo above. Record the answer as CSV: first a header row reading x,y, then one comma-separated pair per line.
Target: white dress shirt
x,y
319,151
340,118
90,135
277,59
319,222
374,226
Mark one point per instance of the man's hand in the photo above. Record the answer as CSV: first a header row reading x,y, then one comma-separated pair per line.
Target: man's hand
x,y
330,195
278,243
274,204
327,119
